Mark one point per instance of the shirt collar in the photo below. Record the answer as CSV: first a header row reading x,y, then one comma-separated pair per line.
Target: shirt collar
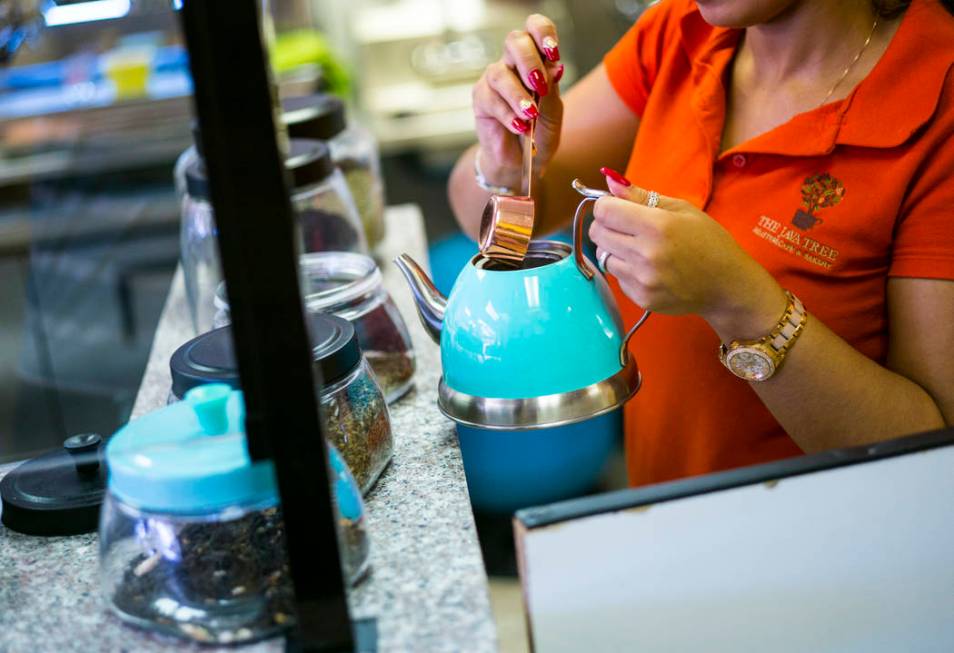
x,y
903,90
898,96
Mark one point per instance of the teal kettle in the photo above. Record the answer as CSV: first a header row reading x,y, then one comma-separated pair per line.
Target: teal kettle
x,y
535,368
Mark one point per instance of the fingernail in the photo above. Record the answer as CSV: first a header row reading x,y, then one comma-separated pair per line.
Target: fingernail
x,y
538,82
615,176
558,74
530,109
551,48
521,126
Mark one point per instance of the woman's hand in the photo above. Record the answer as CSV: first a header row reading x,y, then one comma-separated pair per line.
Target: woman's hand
x,y
676,259
504,106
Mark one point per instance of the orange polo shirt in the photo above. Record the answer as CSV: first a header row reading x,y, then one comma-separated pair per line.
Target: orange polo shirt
x,y
832,203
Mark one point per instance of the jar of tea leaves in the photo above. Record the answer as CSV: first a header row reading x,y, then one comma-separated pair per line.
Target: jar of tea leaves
x,y
325,212
353,149
191,535
353,409
327,216
350,286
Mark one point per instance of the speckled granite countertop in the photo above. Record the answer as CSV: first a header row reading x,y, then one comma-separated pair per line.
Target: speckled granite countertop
x,y
428,587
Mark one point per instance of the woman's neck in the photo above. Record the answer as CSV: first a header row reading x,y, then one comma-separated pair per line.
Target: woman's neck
x,y
811,38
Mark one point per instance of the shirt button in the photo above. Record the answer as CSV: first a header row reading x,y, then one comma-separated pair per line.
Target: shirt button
x,y
739,160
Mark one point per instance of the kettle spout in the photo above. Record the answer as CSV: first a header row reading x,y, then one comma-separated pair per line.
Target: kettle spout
x,y
431,304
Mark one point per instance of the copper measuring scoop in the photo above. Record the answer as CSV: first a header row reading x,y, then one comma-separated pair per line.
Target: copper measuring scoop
x,y
507,223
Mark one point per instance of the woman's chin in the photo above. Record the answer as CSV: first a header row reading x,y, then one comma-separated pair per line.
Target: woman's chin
x,y
742,13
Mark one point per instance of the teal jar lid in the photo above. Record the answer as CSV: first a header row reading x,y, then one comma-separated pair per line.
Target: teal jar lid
x,y
190,457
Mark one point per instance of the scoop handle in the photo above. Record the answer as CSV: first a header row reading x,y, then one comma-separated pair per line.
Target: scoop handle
x,y
529,150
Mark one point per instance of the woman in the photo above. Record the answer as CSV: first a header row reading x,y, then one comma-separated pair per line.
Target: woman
x,y
769,146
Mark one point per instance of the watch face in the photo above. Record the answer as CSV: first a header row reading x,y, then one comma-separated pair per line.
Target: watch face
x,y
750,364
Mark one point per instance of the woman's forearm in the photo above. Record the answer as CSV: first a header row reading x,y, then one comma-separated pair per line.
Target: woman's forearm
x,y
828,394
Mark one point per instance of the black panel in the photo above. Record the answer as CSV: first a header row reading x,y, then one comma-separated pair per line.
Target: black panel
x,y
236,106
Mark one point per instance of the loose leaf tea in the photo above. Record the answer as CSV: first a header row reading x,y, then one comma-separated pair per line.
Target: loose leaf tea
x,y
220,581
356,421
393,370
326,231
368,197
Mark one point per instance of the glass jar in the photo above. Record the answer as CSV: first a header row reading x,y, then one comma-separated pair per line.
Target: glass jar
x,y
327,216
350,286
325,211
354,412
353,149
191,534
199,248
189,156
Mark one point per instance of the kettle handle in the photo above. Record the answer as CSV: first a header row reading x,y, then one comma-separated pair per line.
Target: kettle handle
x,y
589,194
624,348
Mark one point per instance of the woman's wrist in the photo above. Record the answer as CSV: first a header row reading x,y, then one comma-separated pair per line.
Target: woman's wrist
x,y
502,176
750,309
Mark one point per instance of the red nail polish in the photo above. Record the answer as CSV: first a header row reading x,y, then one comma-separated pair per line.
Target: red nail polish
x,y
551,49
615,176
558,74
529,109
538,82
521,126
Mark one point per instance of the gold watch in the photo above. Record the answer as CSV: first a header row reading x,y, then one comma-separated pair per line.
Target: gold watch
x,y
758,360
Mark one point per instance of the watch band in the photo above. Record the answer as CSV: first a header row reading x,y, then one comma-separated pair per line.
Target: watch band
x,y
779,340
486,185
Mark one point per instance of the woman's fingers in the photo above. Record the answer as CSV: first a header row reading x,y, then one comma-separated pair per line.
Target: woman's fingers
x,y
623,188
631,271
521,52
626,216
488,103
617,243
507,85
544,34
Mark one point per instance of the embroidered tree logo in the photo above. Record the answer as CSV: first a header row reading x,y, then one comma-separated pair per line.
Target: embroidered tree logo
x,y
819,191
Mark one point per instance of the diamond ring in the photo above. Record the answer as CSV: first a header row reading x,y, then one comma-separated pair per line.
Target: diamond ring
x,y
604,257
652,200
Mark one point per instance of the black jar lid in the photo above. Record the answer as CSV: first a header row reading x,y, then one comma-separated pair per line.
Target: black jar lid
x,y
210,358
58,493
320,116
309,162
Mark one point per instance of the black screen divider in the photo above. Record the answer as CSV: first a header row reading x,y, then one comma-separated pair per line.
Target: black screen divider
x,y
236,109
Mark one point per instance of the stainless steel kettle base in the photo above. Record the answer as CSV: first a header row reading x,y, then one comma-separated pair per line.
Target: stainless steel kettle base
x,y
542,412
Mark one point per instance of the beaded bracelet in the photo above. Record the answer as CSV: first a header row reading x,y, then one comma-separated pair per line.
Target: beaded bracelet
x,y
486,185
